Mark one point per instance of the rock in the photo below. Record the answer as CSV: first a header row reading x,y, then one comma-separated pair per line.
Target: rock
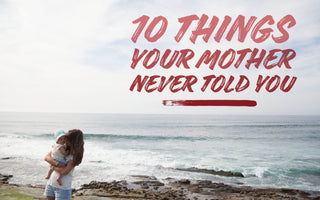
x,y
144,186
142,177
6,158
170,190
117,189
4,178
150,183
214,172
184,181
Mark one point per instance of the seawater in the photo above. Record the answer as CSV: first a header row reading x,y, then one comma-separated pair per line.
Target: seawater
x,y
270,151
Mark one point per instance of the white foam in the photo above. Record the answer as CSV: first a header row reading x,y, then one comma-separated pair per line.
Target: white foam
x,y
260,171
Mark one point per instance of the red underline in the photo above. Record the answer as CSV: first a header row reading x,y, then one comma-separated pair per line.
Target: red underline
x,y
248,103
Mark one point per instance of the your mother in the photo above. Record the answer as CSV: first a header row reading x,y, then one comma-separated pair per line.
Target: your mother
x,y
54,191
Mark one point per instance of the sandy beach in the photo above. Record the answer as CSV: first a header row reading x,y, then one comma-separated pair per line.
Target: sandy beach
x,y
148,187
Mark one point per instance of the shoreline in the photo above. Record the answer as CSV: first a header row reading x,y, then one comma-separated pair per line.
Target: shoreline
x,y
149,187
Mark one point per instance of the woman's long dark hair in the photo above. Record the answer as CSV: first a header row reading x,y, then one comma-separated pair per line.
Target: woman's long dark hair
x,y
75,137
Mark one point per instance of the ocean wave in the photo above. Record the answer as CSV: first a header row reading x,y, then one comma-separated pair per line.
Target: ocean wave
x,y
213,137
95,136
140,137
308,171
132,137
183,138
259,172
264,125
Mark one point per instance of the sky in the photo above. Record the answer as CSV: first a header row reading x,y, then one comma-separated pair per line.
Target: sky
x,y
75,56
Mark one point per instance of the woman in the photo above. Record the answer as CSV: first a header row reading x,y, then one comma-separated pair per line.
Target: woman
x,y
55,191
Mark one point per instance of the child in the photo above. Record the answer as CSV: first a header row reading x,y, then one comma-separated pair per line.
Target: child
x,y
59,151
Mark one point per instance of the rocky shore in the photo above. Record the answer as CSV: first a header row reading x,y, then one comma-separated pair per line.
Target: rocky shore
x,y
211,171
146,187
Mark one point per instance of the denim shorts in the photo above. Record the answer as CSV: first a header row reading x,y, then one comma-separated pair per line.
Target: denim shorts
x,y
61,160
59,194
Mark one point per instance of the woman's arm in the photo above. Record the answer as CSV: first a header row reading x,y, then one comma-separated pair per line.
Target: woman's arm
x,y
53,162
64,170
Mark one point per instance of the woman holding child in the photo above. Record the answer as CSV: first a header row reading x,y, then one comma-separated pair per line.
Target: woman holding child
x,y
61,189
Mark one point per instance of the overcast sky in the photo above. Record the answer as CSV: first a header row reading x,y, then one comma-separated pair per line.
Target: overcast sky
x,y
75,56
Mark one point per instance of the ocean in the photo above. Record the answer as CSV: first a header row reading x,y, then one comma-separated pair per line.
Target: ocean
x,y
270,151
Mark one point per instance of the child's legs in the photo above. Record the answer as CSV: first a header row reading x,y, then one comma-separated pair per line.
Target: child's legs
x,y
60,176
59,179
49,173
